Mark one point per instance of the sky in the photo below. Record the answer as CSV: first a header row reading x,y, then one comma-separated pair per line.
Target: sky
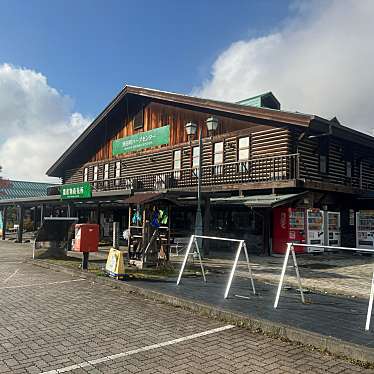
x,y
62,62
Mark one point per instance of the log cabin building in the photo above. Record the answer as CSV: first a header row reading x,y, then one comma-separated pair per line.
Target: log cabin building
x,y
137,151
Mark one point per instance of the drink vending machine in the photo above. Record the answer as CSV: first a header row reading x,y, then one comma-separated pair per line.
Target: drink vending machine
x,y
333,229
288,226
315,229
365,229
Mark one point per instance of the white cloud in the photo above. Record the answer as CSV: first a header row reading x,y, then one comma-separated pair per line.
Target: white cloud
x,y
320,62
37,123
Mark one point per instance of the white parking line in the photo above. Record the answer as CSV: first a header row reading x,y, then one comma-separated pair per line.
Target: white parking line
x,y
41,284
11,276
134,351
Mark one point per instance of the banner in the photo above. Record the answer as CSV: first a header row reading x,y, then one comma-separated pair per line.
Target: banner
x,y
148,139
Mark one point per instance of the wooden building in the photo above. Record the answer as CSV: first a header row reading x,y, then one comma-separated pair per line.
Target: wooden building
x,y
139,144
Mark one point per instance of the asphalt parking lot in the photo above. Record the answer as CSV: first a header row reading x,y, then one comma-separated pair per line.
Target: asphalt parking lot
x,y
53,322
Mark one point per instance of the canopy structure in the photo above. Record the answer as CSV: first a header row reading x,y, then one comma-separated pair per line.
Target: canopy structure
x,y
258,201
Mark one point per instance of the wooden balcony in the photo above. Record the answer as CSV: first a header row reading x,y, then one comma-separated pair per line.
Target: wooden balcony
x,y
266,171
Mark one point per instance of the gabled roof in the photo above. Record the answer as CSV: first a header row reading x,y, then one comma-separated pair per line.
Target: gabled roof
x,y
10,189
244,112
219,107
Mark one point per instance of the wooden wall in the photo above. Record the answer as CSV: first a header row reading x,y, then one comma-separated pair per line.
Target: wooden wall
x,y
157,115
264,143
338,152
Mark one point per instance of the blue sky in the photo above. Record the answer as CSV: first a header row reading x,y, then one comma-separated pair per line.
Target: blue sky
x,y
62,62
88,48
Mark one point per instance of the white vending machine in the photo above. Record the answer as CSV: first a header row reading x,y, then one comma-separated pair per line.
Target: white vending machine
x,y
365,229
315,229
333,229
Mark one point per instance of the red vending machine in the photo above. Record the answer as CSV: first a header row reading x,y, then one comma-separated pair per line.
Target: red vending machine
x,y
288,226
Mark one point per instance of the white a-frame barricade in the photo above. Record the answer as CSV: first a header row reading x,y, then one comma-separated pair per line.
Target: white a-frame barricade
x,y
241,246
290,249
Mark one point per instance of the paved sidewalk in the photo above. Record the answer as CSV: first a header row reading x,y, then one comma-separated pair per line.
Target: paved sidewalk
x,y
339,273
334,316
332,273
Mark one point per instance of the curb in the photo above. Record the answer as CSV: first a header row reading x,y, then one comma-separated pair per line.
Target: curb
x,y
321,342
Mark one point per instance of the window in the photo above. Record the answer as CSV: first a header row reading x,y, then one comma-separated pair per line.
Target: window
x,y
177,163
218,158
106,171
118,169
195,160
323,164
139,119
243,154
348,169
95,172
85,175
323,155
118,172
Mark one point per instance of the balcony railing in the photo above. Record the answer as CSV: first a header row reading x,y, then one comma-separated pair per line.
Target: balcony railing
x,y
257,170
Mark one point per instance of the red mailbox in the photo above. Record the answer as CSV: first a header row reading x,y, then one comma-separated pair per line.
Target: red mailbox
x,y
86,237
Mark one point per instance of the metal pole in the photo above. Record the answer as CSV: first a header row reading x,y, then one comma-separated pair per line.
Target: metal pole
x,y
233,269
201,263
282,275
370,306
198,218
4,223
185,259
116,235
297,274
249,268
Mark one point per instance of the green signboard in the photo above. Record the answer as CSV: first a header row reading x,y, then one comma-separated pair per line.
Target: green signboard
x,y
148,139
76,191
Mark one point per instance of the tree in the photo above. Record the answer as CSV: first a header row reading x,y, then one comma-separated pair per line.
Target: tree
x,y
4,183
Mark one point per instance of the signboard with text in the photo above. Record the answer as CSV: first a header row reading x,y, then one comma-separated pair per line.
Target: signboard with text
x,y
76,191
148,139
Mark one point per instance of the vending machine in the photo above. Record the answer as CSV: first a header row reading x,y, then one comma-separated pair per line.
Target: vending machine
x,y
365,229
315,229
288,226
333,229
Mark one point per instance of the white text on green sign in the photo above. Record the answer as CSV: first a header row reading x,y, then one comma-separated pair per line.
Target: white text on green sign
x,y
148,139
76,191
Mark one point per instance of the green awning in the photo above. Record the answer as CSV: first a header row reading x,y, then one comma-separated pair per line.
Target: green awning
x,y
257,201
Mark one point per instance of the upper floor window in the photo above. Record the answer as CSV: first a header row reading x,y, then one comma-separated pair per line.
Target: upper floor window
x,y
177,163
195,157
323,155
106,171
348,169
85,175
96,170
118,169
243,154
139,119
118,173
218,158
